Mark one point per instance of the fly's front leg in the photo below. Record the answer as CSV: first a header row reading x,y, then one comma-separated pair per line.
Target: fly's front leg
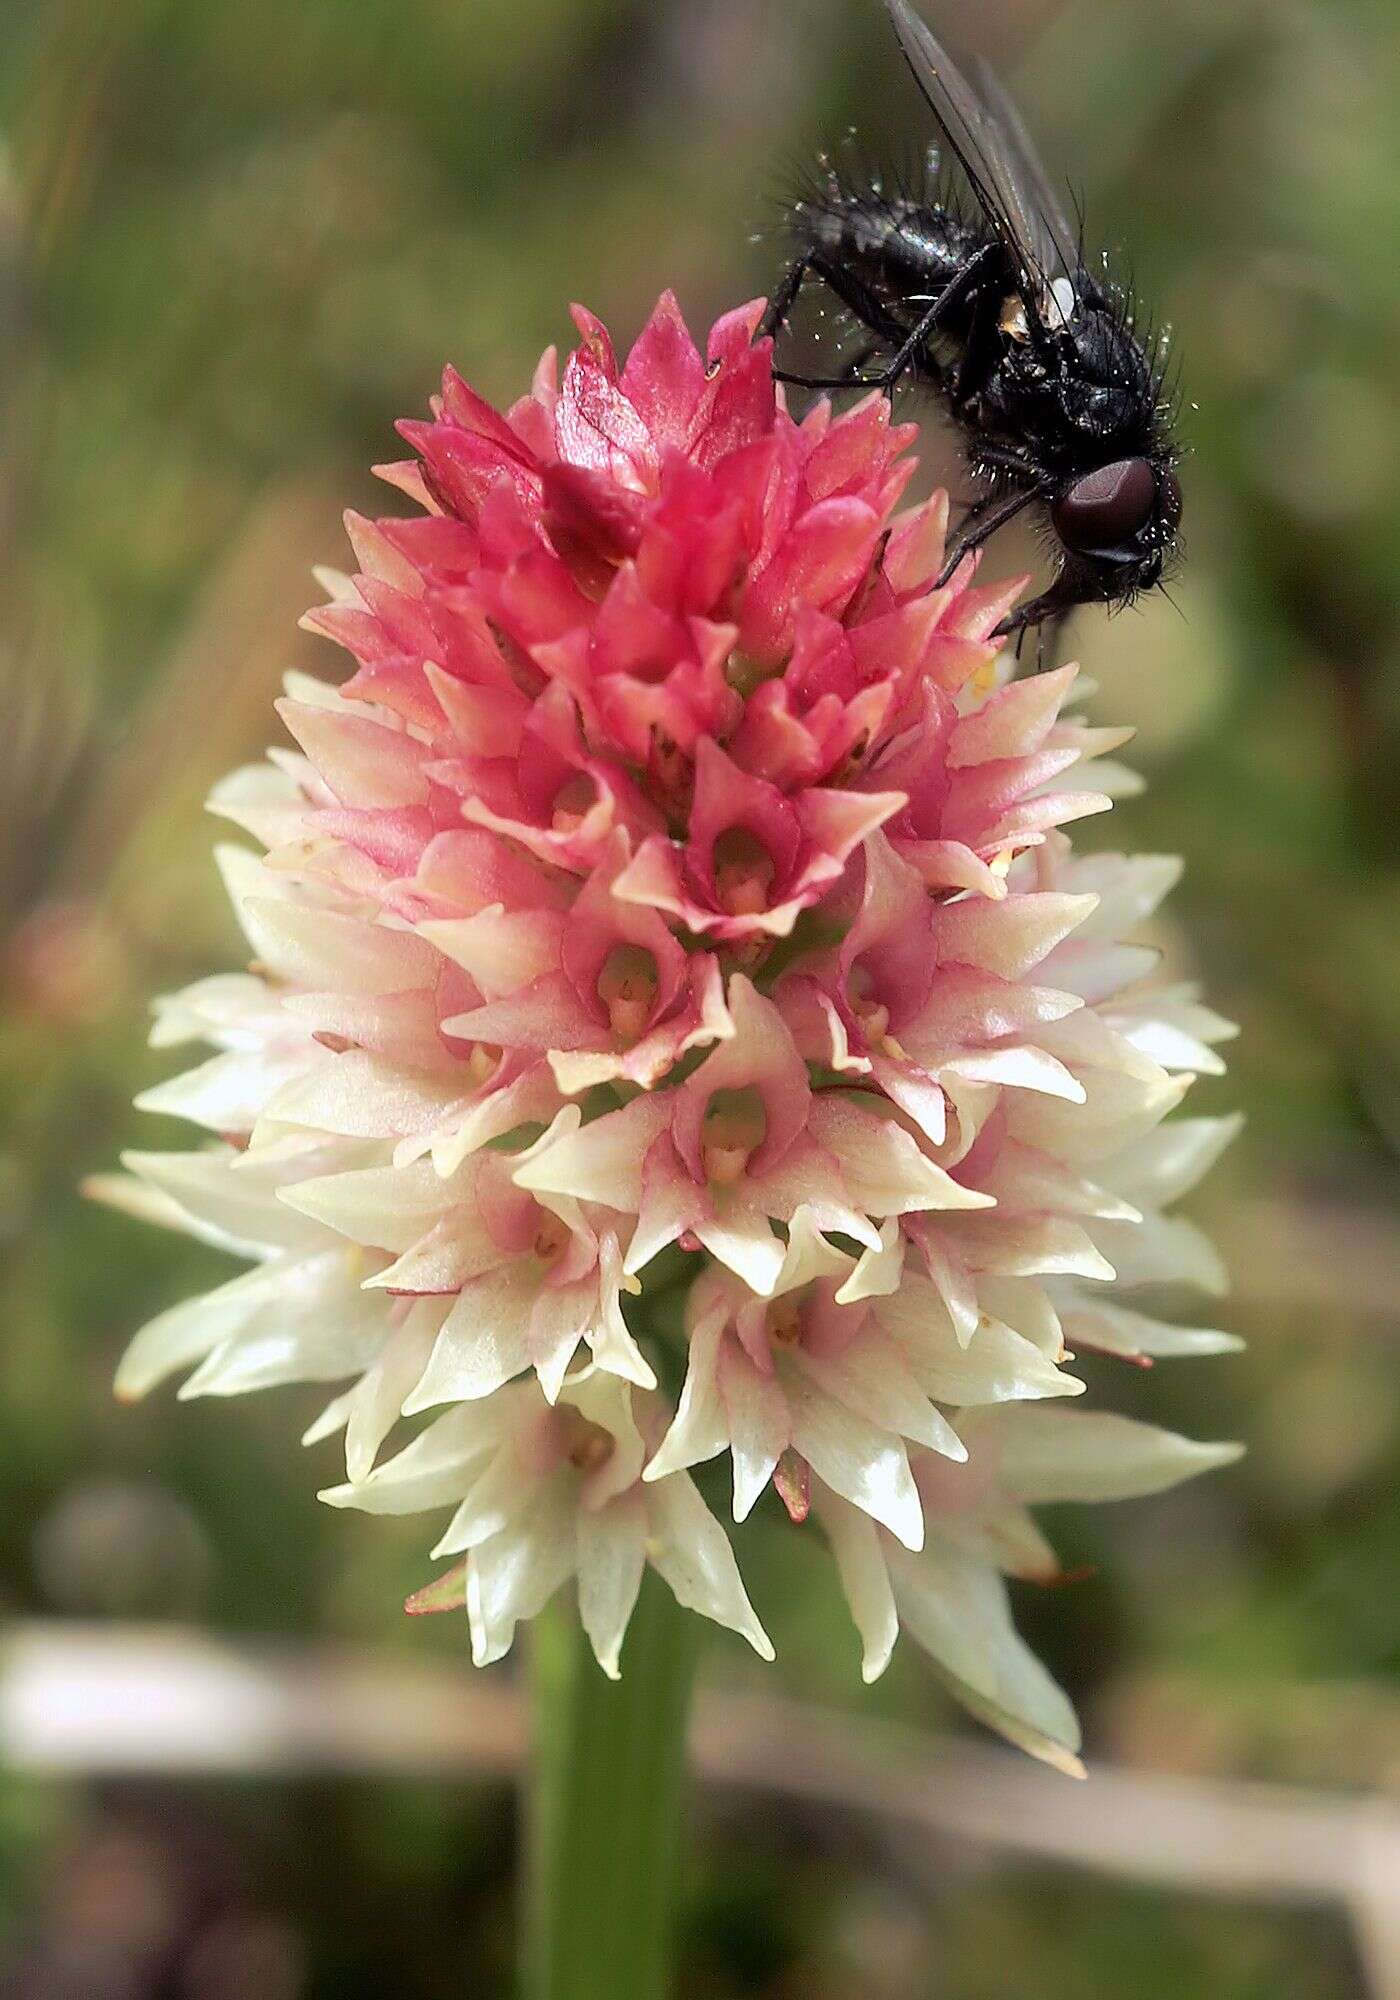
x,y
1052,608
1048,633
982,523
990,459
974,510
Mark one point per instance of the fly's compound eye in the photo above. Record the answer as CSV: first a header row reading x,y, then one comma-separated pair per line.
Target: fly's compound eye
x,y
1103,513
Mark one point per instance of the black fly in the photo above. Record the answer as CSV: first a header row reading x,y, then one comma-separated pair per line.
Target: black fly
x,y
994,309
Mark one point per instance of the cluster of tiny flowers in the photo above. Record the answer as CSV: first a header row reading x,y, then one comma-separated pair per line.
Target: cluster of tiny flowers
x,y
677,1027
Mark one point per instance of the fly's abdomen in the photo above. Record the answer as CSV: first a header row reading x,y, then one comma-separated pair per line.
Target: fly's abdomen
x,y
902,252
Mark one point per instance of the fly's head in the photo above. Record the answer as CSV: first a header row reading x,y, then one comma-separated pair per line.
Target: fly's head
x,y
1116,505
1117,525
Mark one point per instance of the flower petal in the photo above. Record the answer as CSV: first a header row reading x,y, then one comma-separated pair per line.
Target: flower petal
x,y
1052,1454
691,1553
612,1549
860,1561
957,1610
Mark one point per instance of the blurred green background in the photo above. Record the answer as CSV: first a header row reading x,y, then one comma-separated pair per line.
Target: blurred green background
x,y
235,242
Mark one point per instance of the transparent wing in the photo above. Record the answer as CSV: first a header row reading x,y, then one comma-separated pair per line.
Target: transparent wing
x,y
994,150
1037,202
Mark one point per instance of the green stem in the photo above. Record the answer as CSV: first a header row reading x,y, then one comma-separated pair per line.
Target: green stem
x,y
606,1805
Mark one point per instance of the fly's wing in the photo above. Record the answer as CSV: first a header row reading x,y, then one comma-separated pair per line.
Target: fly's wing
x,y
994,150
1037,203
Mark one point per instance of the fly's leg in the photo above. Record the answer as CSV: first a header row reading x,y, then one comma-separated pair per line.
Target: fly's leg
x,y
980,355
852,294
779,307
973,511
982,523
987,461
1048,634
1052,608
909,352
991,458
963,285
1046,614
987,512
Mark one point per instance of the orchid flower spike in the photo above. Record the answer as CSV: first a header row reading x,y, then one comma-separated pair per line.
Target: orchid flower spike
x,y
668,966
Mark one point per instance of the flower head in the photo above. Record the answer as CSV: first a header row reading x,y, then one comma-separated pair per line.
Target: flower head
x,y
674,902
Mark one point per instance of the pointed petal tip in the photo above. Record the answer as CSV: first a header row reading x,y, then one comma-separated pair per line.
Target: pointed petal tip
x,y
760,1642
1227,1452
872,1670
419,1399
906,1524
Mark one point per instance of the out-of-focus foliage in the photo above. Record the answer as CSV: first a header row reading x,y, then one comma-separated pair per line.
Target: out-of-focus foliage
x,y
235,242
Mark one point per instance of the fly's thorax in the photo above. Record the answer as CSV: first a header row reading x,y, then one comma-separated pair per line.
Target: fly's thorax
x,y
1105,349
1107,379
1071,398
1021,402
